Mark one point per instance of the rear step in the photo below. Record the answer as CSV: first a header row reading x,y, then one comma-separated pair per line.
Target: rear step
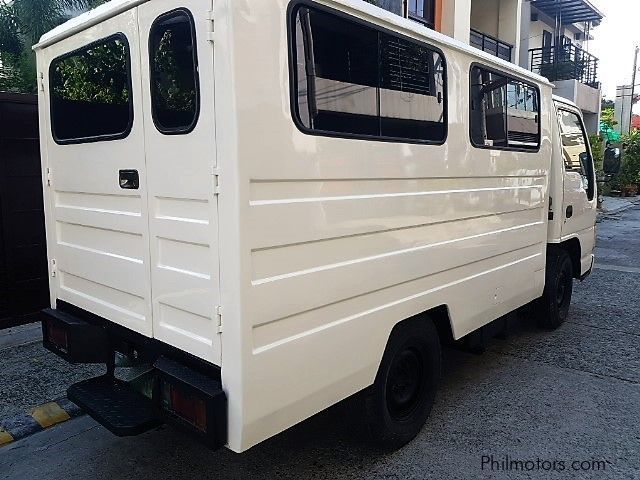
x,y
114,404
181,395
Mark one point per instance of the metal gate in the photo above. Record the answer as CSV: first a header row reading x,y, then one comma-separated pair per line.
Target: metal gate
x,y
24,288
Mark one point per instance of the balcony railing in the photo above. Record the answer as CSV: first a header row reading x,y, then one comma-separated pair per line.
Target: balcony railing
x,y
491,45
565,62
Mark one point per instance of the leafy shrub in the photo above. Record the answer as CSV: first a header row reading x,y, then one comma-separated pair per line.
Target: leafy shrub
x,y
597,149
630,169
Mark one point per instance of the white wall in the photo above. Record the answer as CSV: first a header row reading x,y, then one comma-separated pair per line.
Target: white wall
x,y
509,24
485,16
623,108
500,19
525,34
456,19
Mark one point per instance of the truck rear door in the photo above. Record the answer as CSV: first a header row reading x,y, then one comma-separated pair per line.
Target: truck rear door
x,y
131,173
98,231
179,130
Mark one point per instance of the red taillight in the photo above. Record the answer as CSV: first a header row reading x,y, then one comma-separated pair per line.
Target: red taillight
x,y
185,405
57,336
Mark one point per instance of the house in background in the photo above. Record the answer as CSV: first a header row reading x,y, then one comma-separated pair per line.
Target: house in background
x,y
549,37
555,44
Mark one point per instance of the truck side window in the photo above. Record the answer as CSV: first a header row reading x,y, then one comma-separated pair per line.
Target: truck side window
x,y
505,112
351,79
90,92
574,149
175,101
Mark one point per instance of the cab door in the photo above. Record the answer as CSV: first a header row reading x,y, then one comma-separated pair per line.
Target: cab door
x,y
580,203
177,84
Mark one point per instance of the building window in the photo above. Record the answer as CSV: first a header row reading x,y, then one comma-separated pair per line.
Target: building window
x,y
394,6
423,11
174,72
505,112
547,45
351,79
90,92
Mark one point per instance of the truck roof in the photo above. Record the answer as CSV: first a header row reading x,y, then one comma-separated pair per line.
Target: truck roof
x,y
115,7
85,20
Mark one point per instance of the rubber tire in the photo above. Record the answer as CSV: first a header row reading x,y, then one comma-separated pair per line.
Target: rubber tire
x,y
386,432
549,313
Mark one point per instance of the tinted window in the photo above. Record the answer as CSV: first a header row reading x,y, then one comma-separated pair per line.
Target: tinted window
x,y
353,79
574,148
91,92
174,74
504,111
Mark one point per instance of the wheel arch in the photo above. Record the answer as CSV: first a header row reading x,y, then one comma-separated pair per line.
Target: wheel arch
x,y
441,319
574,250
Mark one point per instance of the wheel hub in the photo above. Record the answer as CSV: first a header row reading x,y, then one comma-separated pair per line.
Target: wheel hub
x,y
404,383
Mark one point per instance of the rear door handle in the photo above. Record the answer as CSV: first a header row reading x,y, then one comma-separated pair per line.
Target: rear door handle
x,y
570,211
129,179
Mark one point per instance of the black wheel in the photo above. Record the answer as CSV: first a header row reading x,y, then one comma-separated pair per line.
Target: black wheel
x,y
399,402
552,309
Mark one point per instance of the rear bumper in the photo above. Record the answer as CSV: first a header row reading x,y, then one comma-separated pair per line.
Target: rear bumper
x,y
73,339
178,389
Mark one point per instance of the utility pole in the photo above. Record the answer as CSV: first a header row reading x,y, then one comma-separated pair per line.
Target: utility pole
x,y
633,86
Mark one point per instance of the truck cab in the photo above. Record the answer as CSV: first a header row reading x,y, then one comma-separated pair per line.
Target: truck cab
x,y
572,214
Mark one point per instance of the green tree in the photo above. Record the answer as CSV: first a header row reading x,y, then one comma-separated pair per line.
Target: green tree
x,y
99,75
608,118
606,103
22,23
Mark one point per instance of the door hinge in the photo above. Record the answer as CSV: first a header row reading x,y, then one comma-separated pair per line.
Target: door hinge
x,y
215,173
54,268
41,81
219,318
49,177
211,24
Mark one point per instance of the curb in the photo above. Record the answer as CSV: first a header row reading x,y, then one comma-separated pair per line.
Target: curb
x,y
618,210
36,420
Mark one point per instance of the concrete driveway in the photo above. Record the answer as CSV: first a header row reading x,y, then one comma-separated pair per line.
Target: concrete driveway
x,y
564,404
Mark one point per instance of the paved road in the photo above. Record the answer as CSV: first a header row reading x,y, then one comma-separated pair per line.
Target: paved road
x,y
571,395
31,375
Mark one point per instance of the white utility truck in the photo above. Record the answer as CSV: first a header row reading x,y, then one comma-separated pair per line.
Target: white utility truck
x,y
263,207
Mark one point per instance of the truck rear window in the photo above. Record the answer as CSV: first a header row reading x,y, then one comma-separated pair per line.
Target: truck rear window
x,y
90,92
